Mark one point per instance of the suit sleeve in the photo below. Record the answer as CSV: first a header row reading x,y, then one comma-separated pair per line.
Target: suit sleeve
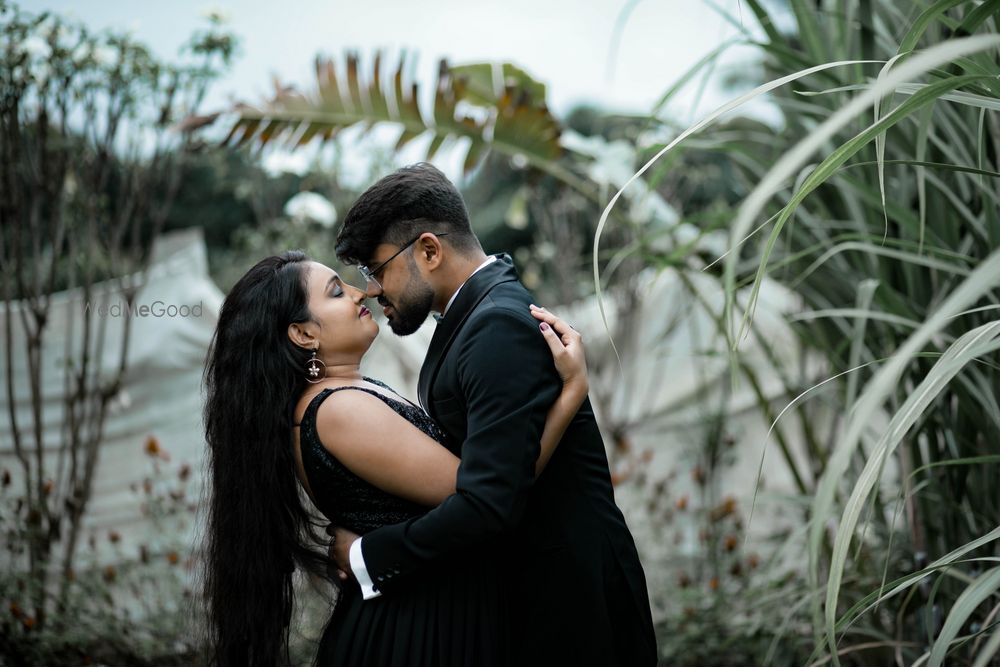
x,y
509,382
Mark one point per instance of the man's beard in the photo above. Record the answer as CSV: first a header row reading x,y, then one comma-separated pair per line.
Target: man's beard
x,y
412,309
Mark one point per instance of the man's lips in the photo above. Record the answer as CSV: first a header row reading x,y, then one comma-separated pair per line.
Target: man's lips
x,y
364,312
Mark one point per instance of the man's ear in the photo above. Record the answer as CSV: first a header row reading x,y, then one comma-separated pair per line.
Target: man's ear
x,y
429,251
301,334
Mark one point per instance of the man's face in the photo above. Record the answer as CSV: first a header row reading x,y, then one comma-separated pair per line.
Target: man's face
x,y
406,298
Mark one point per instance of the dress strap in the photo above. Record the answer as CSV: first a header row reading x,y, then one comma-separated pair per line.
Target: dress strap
x,y
385,386
321,396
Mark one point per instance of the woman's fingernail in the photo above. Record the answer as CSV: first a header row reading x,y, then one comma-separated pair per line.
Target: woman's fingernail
x,y
543,326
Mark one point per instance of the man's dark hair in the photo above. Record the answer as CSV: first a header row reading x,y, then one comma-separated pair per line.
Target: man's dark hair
x,y
414,199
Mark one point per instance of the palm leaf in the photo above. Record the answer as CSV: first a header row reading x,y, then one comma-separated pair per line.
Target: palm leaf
x,y
513,120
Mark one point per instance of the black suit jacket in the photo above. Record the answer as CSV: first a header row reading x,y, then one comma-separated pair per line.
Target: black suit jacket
x,y
579,592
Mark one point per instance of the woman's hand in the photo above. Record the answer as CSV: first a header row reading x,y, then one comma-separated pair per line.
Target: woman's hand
x,y
566,344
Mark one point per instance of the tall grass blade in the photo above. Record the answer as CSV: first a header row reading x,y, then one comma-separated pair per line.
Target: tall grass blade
x,y
972,344
990,649
795,158
983,279
697,127
985,586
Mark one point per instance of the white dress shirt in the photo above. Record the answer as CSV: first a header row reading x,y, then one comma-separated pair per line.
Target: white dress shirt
x,y
368,590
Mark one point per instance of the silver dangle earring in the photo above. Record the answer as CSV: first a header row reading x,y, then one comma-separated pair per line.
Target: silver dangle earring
x,y
315,369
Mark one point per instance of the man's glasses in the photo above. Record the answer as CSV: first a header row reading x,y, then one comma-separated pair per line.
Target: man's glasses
x,y
369,274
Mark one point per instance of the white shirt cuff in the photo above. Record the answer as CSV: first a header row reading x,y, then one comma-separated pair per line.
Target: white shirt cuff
x,y
368,590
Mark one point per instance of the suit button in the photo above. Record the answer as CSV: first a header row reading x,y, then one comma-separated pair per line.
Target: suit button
x,y
380,578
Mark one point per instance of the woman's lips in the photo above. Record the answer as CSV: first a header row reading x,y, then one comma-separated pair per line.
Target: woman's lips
x,y
364,312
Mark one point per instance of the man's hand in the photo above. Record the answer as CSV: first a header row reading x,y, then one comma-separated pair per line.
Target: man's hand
x,y
340,549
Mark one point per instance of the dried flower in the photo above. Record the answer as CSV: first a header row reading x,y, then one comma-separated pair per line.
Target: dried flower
x,y
683,580
699,476
726,508
730,543
173,558
713,583
48,486
753,561
114,536
184,472
152,446
110,573
682,503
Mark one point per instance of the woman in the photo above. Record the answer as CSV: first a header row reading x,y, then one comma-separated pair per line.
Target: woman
x,y
287,406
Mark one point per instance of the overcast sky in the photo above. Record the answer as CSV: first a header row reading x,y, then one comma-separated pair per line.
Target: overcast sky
x,y
567,44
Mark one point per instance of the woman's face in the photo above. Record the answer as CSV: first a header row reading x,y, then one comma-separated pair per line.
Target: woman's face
x,y
343,326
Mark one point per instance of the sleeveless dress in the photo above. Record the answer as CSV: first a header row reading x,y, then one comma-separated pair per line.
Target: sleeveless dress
x,y
450,615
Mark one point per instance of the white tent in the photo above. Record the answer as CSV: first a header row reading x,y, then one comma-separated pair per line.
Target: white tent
x,y
159,398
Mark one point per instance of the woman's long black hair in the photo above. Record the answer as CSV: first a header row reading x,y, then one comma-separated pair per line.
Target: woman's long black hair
x,y
257,529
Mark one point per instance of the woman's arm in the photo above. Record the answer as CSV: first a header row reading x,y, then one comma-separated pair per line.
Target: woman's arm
x,y
381,447
384,449
567,352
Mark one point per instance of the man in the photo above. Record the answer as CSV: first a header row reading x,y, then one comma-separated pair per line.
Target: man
x,y
577,590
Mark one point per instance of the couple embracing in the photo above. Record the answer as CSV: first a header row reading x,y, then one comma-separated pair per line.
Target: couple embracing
x,y
477,530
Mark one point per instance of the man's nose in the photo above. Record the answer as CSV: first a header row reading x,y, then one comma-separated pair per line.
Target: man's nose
x,y
372,290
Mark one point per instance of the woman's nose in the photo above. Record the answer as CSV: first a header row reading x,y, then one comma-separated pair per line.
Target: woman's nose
x,y
359,294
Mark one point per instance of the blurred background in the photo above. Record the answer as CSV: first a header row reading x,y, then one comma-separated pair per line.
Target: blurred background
x,y
775,222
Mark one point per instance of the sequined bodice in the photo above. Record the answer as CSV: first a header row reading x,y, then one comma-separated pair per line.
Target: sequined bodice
x,y
344,498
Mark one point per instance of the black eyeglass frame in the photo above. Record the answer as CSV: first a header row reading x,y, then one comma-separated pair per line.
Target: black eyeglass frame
x,y
369,274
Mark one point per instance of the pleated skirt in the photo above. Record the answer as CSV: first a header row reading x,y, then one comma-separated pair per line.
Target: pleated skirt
x,y
452,615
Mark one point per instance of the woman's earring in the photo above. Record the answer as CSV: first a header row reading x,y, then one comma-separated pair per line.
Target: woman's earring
x,y
315,369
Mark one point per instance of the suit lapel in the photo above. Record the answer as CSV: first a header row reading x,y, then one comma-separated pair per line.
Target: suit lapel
x,y
474,291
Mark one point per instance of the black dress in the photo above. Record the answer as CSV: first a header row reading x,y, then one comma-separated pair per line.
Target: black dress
x,y
450,615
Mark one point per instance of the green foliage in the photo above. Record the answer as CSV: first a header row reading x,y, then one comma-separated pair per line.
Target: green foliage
x,y
118,605
881,191
91,157
511,118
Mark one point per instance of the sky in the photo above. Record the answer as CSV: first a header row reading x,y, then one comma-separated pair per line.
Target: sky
x,y
568,44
